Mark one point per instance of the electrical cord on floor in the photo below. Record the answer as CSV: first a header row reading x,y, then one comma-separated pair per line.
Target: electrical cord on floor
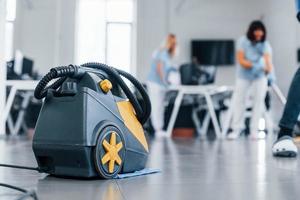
x,y
27,193
20,167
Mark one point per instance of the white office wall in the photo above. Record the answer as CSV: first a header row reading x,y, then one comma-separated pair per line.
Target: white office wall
x,y
46,29
45,32
218,19
284,34
192,19
66,32
2,63
152,26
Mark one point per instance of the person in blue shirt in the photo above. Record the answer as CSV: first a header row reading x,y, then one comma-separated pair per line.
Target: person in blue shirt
x,y
284,146
254,64
157,81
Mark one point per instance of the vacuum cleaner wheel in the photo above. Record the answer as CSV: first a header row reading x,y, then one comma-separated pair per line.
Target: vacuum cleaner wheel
x,y
109,152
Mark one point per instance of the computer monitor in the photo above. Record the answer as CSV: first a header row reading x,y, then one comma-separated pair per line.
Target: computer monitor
x,y
192,74
213,52
18,67
189,74
27,66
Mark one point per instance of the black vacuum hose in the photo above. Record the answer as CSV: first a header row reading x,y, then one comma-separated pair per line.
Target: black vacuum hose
x,y
146,104
142,110
58,72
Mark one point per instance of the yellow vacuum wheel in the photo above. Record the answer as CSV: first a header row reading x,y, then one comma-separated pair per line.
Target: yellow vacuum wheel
x,y
109,152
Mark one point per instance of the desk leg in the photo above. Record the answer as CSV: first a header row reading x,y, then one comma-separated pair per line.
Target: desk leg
x,y
10,124
21,115
174,114
205,124
213,115
9,103
228,118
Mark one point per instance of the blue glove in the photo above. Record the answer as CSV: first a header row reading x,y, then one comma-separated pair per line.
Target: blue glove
x,y
258,67
271,77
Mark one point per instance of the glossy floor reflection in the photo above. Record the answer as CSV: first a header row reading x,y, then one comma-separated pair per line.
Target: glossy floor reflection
x,y
191,169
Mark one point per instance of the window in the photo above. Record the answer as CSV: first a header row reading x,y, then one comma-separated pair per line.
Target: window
x,y
9,28
105,32
118,45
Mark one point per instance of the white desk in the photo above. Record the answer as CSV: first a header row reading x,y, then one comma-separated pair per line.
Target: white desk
x,y
207,91
15,85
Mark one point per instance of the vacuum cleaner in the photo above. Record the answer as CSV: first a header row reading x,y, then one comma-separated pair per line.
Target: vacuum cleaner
x,y
90,123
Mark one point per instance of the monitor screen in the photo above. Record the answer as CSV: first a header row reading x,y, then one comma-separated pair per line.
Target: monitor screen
x,y
213,52
27,66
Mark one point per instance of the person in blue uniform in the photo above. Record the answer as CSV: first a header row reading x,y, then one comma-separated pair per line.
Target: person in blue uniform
x,y
157,81
254,65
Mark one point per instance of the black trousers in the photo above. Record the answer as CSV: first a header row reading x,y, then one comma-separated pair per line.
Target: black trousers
x,y
292,107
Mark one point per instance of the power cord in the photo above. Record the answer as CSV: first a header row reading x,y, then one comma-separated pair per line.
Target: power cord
x,y
27,193
20,167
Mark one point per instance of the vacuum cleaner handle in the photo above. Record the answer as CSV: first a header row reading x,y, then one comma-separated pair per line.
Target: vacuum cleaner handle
x,y
62,72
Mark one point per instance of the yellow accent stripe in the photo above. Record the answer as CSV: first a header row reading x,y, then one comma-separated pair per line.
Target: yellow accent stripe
x,y
127,113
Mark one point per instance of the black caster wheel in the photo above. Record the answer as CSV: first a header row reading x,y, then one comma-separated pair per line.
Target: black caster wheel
x,y
109,152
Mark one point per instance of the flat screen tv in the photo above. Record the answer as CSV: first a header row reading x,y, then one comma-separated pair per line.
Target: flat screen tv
x,y
213,52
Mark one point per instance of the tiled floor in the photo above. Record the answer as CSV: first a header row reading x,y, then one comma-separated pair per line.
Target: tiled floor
x,y
191,169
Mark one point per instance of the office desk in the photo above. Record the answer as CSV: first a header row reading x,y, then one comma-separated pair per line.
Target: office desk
x,y
207,91
16,85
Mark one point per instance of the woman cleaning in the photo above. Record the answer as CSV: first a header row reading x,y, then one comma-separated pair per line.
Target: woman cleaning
x,y
254,64
161,65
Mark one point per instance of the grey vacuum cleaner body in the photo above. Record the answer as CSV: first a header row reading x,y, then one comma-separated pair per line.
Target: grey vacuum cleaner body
x,y
87,129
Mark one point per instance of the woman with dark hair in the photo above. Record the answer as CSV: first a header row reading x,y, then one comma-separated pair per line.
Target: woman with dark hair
x,y
254,64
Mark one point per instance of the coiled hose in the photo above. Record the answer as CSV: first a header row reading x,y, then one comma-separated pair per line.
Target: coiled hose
x,y
146,104
142,110
59,72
